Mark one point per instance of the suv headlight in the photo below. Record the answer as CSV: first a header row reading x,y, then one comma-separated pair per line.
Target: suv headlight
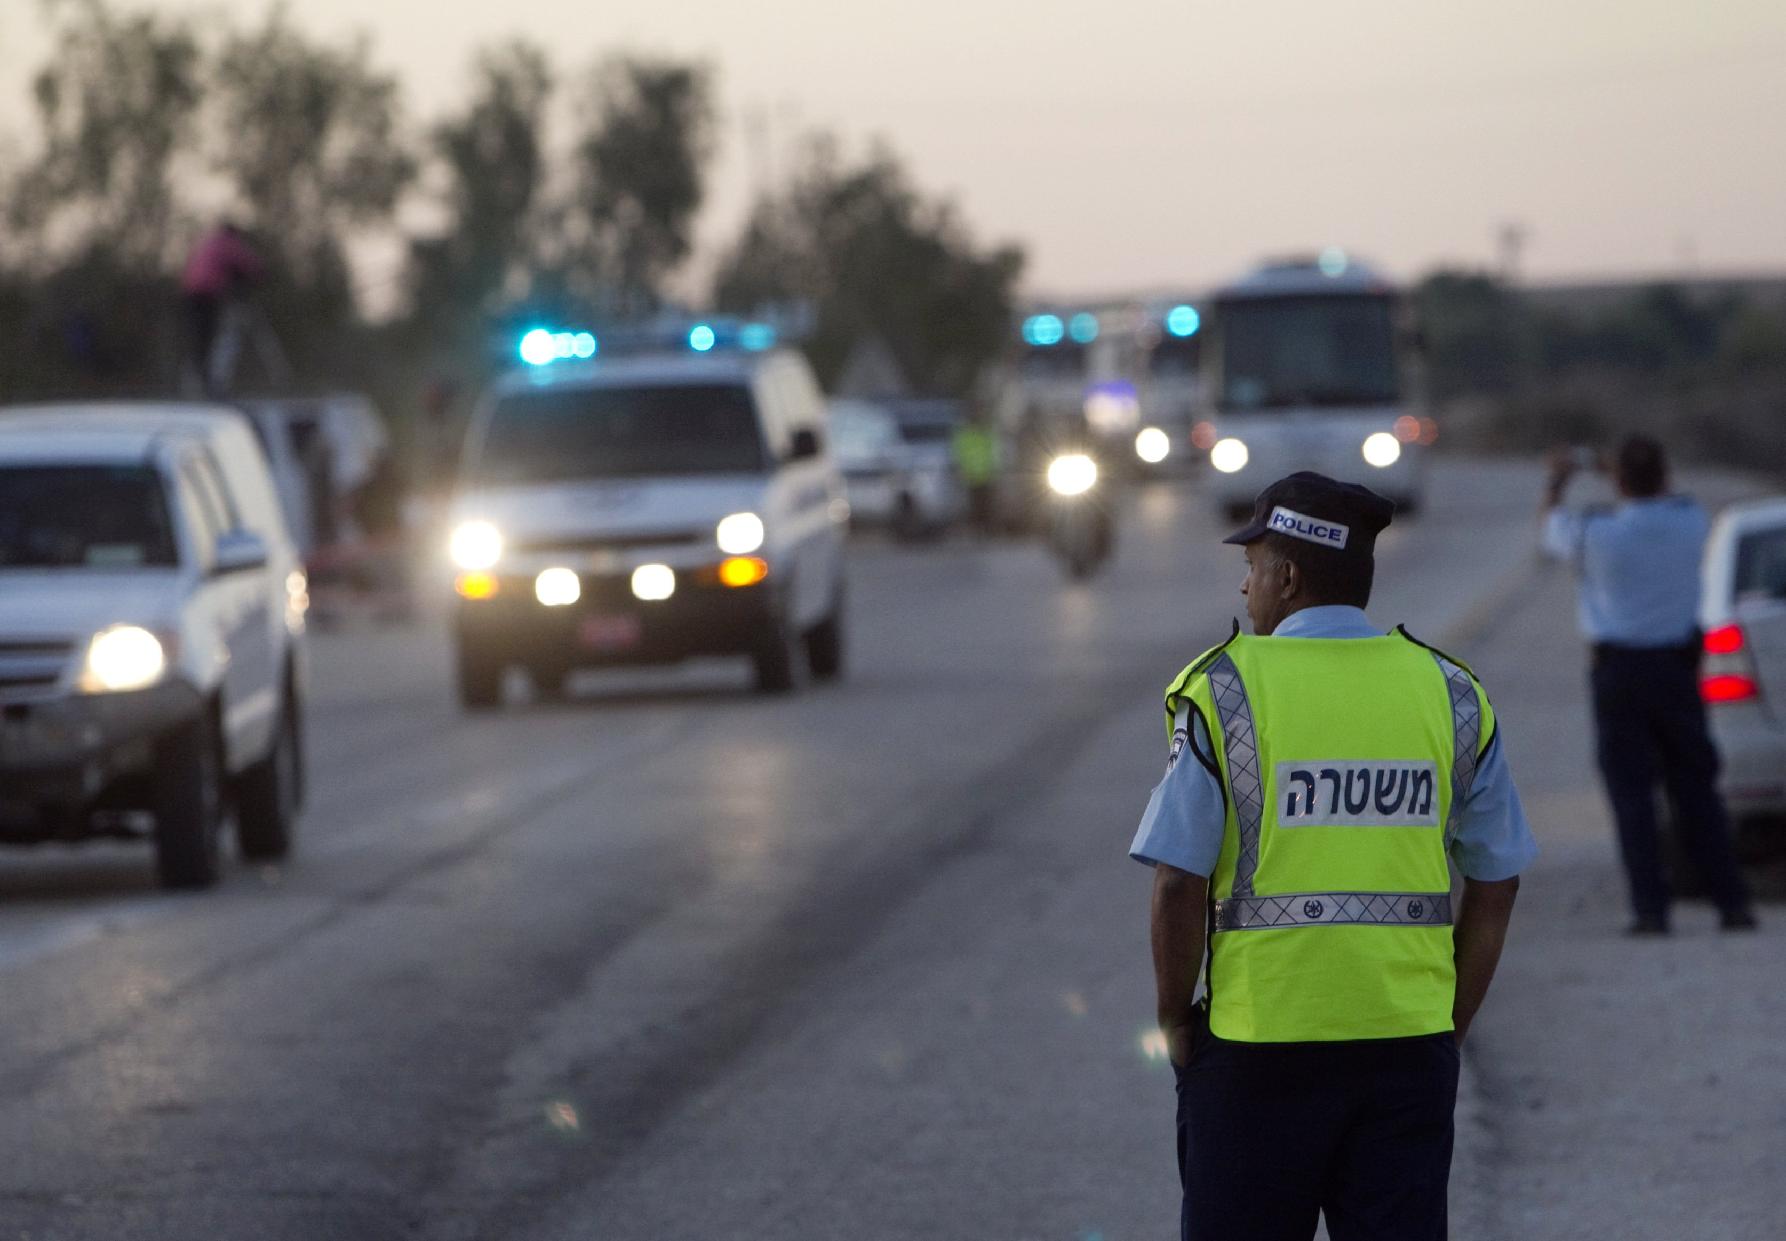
x,y
740,534
475,545
123,657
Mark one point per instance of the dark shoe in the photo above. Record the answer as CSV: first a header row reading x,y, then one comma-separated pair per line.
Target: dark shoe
x,y
1645,927
1737,920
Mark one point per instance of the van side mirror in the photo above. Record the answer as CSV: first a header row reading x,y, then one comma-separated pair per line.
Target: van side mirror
x,y
238,551
804,445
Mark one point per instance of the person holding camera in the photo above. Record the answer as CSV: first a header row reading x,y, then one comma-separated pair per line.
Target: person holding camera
x,y
1637,563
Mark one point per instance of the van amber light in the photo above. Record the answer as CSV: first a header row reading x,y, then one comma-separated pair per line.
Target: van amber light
x,y
475,585
743,570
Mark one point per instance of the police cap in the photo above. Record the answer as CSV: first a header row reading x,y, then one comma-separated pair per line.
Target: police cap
x,y
1322,511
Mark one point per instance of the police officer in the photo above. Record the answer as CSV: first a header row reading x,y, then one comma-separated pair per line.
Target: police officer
x,y
1638,564
1314,980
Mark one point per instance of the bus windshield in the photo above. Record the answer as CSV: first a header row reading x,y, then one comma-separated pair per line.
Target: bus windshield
x,y
1322,351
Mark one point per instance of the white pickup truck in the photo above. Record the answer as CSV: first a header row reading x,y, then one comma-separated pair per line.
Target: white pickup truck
x,y
151,634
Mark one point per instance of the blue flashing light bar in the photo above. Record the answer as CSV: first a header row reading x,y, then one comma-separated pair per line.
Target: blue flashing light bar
x,y
543,346
1083,327
1183,321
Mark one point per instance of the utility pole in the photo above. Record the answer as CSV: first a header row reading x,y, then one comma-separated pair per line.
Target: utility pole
x,y
1511,243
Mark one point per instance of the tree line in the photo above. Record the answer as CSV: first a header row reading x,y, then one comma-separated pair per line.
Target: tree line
x,y
546,195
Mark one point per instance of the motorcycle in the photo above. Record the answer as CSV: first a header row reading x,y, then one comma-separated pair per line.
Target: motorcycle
x,y
1081,530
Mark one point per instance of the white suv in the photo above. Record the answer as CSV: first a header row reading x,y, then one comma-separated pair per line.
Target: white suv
x,y
645,510
151,634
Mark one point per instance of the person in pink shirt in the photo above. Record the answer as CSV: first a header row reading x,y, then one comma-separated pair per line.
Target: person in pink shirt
x,y
221,267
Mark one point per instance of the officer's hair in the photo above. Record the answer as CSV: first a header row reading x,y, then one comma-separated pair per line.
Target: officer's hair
x,y
1328,578
1642,466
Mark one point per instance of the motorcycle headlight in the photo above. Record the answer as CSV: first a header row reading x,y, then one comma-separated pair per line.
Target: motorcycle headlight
x,y
475,546
1072,474
740,534
124,657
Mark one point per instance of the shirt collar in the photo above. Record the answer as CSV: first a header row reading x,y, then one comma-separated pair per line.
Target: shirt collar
x,y
1327,621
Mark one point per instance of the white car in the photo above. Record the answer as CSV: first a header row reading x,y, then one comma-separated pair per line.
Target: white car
x,y
1743,675
890,482
151,634
645,510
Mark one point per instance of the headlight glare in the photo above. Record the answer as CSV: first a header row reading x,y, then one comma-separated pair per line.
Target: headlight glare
x,y
124,657
654,582
475,545
1382,449
557,587
1229,455
740,534
1072,474
1152,445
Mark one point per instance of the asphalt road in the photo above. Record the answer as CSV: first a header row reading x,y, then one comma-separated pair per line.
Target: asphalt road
x,y
672,960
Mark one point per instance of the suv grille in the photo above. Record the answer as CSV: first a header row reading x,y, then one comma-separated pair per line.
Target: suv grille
x,y
26,666
605,542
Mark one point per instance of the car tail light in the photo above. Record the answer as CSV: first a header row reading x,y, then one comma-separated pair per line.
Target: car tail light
x,y
1727,675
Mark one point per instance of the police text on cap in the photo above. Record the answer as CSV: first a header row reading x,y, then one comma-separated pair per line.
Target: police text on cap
x,y
1309,529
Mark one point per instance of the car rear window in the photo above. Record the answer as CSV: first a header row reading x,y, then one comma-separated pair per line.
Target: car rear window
x,y
84,516
621,432
1761,565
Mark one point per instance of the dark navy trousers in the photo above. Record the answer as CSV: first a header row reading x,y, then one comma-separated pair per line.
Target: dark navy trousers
x,y
1652,730
1270,1135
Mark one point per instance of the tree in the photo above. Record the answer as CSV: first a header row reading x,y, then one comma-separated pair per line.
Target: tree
x,y
118,102
308,137
1476,330
641,167
492,157
875,259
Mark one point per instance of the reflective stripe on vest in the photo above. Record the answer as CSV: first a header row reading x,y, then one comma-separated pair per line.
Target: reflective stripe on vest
x,y
1241,745
1253,913
1466,735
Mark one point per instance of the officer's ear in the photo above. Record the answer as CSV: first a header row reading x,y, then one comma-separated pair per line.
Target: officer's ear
x,y
1289,577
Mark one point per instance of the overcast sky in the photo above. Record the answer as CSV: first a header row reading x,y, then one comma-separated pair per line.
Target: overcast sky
x,y
1170,142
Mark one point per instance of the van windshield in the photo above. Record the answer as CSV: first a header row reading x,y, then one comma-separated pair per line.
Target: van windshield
x,y
84,516
561,434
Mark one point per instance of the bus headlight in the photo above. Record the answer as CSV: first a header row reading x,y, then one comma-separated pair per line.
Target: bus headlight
x,y
475,545
1072,474
654,582
557,587
1229,455
740,534
1382,450
124,657
1152,445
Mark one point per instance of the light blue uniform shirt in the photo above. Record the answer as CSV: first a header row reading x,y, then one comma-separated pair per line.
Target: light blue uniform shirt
x,y
1186,815
1638,565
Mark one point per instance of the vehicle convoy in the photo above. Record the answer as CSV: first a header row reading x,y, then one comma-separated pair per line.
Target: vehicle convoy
x,y
151,634
644,510
1307,367
1743,675
890,482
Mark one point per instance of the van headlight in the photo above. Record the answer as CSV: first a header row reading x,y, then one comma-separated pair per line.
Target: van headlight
x,y
740,534
1382,450
475,545
123,657
1152,445
1229,455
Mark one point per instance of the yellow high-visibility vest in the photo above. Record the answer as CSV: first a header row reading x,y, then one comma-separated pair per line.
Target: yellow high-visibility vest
x,y
1345,762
